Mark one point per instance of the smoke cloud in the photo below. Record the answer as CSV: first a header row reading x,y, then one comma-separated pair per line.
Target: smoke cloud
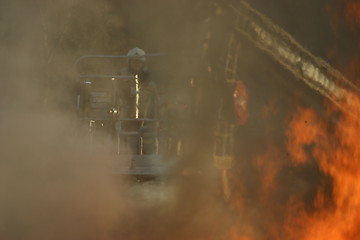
x,y
55,185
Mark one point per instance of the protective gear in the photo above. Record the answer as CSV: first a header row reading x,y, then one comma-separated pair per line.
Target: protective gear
x,y
142,85
137,53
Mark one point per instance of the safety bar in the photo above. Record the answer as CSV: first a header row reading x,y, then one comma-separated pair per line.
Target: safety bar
x,y
142,119
117,56
107,76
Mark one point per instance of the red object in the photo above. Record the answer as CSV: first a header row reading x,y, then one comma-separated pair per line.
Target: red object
x,y
241,98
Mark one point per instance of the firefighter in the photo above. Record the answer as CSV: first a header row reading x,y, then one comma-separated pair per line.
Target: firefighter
x,y
139,84
139,97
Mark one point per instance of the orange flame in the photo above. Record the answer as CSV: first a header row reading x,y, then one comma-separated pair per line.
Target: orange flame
x,y
352,13
269,164
330,141
337,153
253,200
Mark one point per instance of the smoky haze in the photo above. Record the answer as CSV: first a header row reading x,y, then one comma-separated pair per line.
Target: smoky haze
x,y
54,185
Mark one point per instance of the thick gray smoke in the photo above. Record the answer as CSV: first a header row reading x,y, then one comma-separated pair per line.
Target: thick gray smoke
x,y
54,185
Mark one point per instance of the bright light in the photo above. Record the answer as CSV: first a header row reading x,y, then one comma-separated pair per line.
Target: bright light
x,y
137,95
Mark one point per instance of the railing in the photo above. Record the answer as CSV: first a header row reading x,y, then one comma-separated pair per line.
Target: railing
x,y
133,139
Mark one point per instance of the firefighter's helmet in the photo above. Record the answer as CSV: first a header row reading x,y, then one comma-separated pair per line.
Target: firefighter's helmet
x,y
137,53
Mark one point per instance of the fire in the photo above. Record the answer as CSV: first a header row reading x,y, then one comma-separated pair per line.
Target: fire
x,y
269,164
334,146
352,13
330,141
337,152
303,130
253,206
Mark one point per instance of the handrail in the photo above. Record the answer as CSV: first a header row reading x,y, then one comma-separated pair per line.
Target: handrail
x,y
117,56
107,76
